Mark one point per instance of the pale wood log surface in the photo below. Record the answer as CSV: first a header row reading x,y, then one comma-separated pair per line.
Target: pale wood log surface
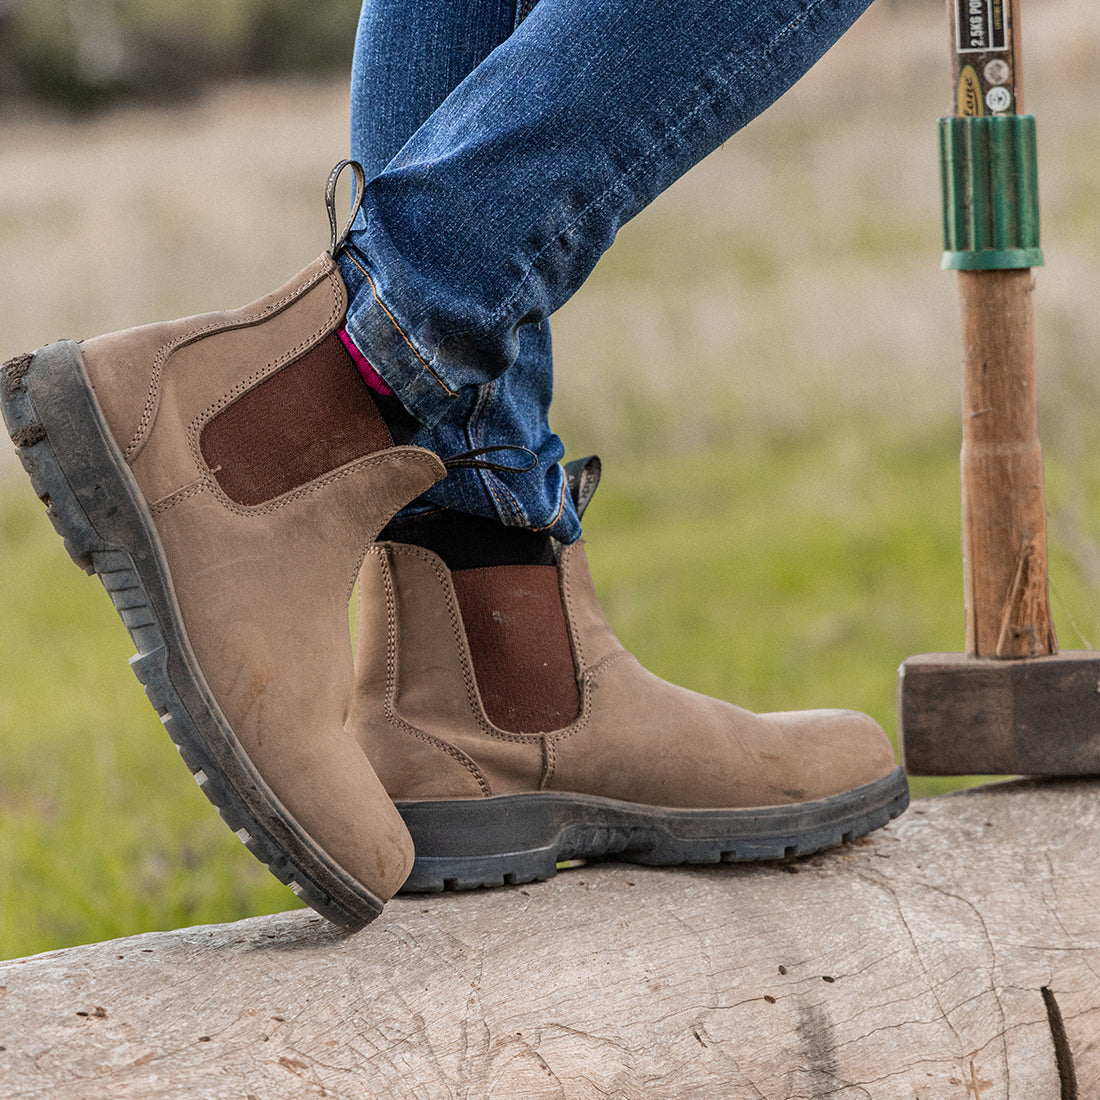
x,y
910,965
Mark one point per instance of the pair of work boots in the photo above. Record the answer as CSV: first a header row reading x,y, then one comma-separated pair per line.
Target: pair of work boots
x,y
227,475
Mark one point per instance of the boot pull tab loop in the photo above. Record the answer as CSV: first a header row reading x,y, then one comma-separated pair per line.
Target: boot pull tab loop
x,y
338,238
475,460
582,475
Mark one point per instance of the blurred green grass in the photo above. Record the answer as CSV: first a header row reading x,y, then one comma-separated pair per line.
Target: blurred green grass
x,y
766,362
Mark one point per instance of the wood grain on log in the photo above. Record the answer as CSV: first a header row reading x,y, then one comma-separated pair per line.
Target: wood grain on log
x,y
955,954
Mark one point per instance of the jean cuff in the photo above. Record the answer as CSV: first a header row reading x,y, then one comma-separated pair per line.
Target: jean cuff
x,y
389,350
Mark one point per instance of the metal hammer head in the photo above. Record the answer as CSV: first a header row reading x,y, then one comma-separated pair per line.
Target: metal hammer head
x,y
961,715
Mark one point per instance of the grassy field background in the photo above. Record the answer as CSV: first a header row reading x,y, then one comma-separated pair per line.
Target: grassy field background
x,y
767,362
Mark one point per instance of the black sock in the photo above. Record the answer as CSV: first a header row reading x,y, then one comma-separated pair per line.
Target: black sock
x,y
464,541
402,425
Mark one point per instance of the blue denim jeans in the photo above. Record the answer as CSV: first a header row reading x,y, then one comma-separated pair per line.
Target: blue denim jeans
x,y
505,142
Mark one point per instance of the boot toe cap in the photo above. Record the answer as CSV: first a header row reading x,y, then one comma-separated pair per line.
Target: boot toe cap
x,y
831,751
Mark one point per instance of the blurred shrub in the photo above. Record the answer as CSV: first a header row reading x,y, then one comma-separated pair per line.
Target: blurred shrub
x,y
82,54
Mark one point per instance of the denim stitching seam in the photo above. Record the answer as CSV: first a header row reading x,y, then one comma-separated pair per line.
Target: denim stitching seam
x,y
648,156
401,332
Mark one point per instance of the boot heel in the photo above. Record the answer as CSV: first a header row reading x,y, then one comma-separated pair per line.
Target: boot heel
x,y
20,379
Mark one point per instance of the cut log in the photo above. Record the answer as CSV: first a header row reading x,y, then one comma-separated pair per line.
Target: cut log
x,y
955,954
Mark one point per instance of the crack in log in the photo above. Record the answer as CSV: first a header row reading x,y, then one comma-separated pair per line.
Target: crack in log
x,y
1063,1056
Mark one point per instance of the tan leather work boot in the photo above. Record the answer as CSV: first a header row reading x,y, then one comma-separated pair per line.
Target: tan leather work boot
x,y
224,475
514,731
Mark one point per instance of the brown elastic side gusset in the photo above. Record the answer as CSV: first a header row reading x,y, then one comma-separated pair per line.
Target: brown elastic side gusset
x,y
309,417
523,661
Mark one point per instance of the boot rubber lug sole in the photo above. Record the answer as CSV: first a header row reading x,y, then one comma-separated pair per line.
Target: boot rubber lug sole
x,y
95,505
463,844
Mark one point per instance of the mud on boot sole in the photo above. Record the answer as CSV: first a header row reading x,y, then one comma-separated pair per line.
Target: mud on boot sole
x,y
511,839
95,505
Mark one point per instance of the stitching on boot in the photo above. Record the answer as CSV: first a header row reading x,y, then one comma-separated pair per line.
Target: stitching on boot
x,y
459,636
152,401
309,416
559,737
389,707
549,763
330,323
350,590
565,571
194,429
185,492
206,483
588,676
588,695
469,679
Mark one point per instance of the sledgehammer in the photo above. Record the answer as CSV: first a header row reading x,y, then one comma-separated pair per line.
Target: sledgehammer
x,y
1011,704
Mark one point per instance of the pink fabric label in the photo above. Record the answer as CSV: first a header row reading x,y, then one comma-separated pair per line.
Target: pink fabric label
x,y
372,378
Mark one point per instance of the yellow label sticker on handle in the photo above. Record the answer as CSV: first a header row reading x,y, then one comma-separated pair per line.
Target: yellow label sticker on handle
x,y
969,102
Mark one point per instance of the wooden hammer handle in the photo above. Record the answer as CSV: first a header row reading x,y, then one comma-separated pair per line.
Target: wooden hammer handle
x,y
1004,506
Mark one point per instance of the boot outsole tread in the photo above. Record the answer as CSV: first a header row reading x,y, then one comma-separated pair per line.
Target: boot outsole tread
x,y
513,839
95,506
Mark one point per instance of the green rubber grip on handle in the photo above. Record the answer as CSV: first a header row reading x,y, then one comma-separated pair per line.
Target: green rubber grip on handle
x,y
989,171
